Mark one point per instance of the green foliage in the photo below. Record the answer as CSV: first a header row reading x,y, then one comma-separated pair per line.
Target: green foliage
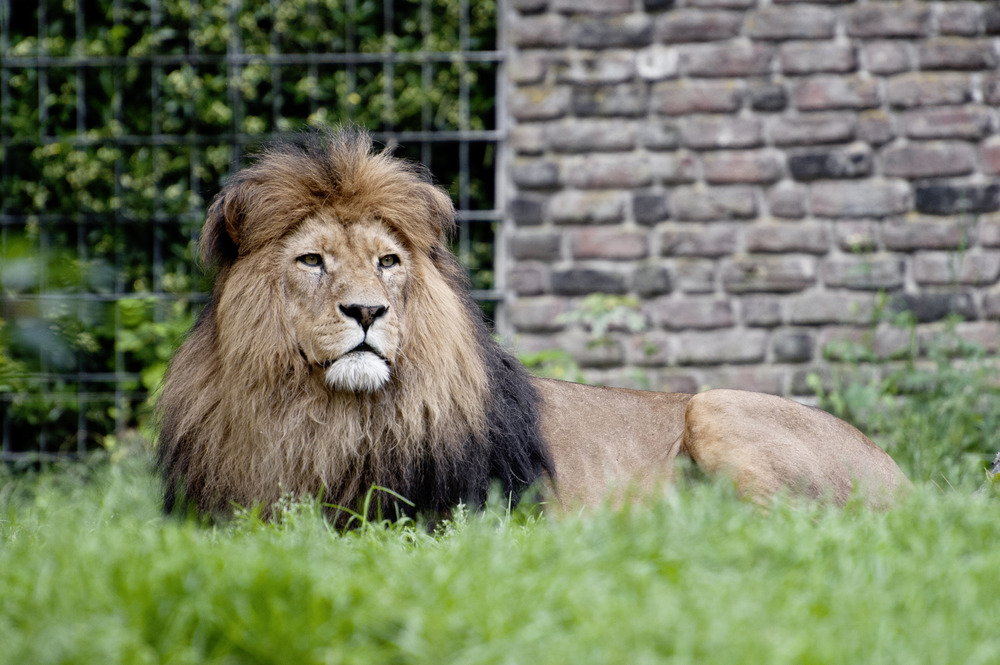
x,y
936,410
91,572
602,312
113,148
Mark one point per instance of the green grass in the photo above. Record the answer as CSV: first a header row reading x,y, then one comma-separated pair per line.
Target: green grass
x,y
90,572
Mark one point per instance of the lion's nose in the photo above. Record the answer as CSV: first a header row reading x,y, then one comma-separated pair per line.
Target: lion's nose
x,y
365,315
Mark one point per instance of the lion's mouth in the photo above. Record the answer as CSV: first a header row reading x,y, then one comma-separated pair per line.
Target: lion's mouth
x,y
362,369
363,347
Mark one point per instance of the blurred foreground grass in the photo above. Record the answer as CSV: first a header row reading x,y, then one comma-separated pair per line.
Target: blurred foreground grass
x,y
90,572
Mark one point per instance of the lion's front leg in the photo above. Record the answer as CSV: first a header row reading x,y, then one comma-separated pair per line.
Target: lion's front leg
x,y
767,443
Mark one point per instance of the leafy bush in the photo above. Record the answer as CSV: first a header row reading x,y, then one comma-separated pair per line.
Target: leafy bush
x,y
112,146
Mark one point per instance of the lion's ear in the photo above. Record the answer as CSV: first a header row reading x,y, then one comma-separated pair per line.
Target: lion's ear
x,y
220,236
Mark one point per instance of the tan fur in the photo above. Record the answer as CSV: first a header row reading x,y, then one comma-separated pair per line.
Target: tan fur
x,y
249,411
610,442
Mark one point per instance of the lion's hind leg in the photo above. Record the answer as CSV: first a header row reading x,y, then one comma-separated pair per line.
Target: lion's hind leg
x,y
767,443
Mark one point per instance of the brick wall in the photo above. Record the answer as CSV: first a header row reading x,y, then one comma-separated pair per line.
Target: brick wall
x,y
765,176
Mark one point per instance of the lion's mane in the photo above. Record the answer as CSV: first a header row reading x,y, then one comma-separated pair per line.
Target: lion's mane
x,y
239,422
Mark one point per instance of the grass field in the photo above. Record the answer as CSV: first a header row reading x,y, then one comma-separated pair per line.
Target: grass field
x,y
90,572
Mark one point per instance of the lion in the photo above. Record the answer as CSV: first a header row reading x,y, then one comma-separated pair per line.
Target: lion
x,y
341,350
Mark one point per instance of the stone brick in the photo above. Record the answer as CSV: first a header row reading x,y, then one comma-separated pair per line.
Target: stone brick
x,y
955,53
960,18
695,275
991,305
696,96
528,139
588,135
957,199
793,346
701,204
535,173
929,160
528,209
538,314
946,268
543,246
629,30
527,68
929,89
807,238
967,122
751,166
854,161
529,6
591,6
726,4
571,207
581,281
991,20
817,57
787,200
650,208
908,236
625,99
797,22
865,273
603,68
674,167
929,307
730,60
659,134
719,347
826,93
720,132
860,199
657,62
652,280
886,57
888,19
651,349
812,129
810,309
609,243
702,240
610,353
539,103
702,313
858,236
991,89
527,280
777,274
756,378
892,342
541,31
767,97
876,127
990,151
988,231
698,25
763,310
610,170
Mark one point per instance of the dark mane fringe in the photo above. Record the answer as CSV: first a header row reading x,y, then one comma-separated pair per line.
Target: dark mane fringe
x,y
258,206
512,454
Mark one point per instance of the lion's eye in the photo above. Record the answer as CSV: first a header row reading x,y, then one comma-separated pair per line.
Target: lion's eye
x,y
388,261
311,260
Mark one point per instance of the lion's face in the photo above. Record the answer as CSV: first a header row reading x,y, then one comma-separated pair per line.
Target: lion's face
x,y
345,284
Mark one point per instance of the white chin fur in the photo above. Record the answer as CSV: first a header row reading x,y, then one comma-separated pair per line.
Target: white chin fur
x,y
358,372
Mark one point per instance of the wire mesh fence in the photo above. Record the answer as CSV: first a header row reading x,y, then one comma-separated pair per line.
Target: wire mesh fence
x,y
120,119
